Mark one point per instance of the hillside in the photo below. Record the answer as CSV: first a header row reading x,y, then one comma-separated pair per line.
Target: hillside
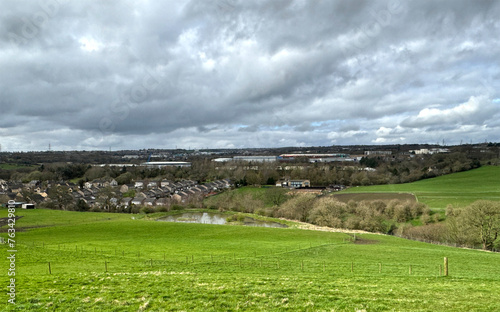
x,y
457,189
111,262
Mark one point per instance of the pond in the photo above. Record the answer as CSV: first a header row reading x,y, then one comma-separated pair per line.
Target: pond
x,y
216,218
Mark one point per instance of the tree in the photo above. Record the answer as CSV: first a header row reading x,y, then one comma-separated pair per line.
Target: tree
x,y
81,205
483,218
275,195
298,207
328,211
60,197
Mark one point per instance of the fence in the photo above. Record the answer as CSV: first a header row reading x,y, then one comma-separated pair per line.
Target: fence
x,y
80,259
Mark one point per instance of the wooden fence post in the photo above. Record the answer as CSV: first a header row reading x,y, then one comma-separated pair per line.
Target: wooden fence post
x,y
50,271
105,266
410,270
445,266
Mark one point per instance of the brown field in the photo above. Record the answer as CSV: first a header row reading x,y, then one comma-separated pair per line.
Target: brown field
x,y
375,196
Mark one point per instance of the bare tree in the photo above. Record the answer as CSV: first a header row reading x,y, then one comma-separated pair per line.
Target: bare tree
x,y
483,217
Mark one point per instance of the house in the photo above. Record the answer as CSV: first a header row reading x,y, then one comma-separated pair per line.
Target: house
x,y
16,187
293,183
196,189
113,183
152,184
125,202
139,184
37,198
98,183
164,183
138,201
89,200
203,188
87,185
33,183
165,202
299,183
150,201
168,189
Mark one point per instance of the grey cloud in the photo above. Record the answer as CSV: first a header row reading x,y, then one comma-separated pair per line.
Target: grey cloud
x,y
239,73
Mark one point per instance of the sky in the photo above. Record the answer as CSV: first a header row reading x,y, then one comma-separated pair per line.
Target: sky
x,y
99,75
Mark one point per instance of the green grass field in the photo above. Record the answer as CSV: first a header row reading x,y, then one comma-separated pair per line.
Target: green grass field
x,y
118,262
458,189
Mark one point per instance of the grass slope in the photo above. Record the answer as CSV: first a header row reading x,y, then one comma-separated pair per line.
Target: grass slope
x,y
158,266
458,189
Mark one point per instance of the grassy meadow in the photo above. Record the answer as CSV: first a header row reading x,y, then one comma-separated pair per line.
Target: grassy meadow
x,y
118,262
458,189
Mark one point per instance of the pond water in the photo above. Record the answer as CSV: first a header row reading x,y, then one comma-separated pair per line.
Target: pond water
x,y
216,218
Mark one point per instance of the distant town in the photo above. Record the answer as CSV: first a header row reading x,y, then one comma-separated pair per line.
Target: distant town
x,y
157,180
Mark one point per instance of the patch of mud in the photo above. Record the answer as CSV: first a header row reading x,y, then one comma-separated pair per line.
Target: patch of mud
x,y
5,221
362,241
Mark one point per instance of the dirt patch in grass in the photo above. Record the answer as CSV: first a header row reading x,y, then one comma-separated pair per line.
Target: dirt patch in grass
x,y
357,197
362,241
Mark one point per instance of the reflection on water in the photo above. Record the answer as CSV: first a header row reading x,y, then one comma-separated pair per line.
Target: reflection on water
x,y
215,218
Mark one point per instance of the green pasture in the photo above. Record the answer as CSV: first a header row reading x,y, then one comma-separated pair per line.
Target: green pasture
x,y
118,262
458,189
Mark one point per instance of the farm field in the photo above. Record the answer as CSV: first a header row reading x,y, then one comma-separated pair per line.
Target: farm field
x,y
458,189
118,262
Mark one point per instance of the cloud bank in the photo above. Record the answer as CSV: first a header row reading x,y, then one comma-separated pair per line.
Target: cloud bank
x,y
228,73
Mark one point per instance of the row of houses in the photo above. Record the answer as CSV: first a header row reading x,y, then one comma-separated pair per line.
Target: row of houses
x,y
105,193
148,193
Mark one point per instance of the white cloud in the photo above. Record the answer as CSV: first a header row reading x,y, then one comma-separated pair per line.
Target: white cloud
x,y
477,110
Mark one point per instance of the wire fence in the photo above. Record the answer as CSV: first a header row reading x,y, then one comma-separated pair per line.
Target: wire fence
x,y
65,259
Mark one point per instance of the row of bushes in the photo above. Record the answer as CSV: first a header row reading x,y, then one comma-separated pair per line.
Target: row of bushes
x,y
373,216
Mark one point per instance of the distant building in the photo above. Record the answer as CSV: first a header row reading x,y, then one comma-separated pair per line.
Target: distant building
x,y
294,183
161,164
378,153
255,158
317,157
425,151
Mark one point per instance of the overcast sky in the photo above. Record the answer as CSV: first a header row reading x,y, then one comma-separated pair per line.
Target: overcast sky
x,y
85,75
